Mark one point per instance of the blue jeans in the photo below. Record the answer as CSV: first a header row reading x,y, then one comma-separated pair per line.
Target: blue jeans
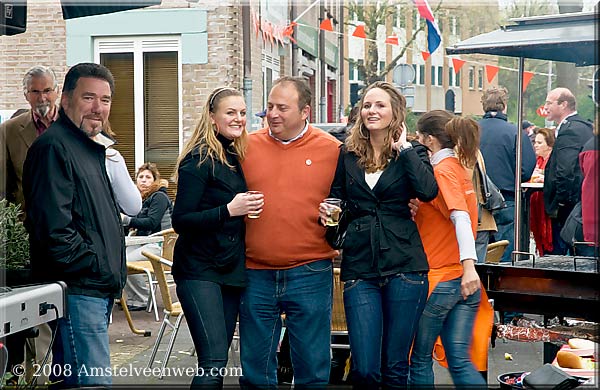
x,y
304,294
447,315
505,222
81,355
382,316
211,311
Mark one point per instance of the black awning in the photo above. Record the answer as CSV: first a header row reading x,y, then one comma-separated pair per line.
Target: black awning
x,y
79,8
13,13
566,38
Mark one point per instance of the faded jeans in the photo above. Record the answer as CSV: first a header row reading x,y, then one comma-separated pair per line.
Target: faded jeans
x,y
81,355
304,294
447,315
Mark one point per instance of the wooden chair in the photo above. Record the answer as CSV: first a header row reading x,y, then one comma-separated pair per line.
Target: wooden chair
x,y
495,251
145,268
171,309
338,315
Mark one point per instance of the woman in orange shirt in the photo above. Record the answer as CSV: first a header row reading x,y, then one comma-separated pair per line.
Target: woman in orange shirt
x,y
447,226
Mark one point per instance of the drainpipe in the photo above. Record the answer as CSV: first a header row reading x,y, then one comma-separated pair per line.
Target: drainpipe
x,y
247,87
323,78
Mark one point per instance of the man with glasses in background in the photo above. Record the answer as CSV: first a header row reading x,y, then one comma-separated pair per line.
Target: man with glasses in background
x,y
40,88
563,176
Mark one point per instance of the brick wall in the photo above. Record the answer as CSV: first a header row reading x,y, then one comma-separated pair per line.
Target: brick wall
x,y
43,43
224,67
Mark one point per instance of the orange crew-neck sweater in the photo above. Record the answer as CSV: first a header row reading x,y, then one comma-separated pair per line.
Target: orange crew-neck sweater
x,y
294,178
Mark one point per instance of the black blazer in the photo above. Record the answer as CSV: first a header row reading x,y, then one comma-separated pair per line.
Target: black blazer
x,y
381,238
211,243
563,177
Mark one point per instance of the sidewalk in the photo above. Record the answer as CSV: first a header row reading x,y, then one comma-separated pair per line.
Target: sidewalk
x,y
130,352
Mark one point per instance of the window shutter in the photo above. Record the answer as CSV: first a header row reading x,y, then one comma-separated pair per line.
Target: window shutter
x,y
122,116
161,113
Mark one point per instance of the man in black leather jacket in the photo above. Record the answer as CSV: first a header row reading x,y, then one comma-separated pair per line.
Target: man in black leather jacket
x,y
74,225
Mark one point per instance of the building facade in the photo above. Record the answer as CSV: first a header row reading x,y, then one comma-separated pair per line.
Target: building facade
x,y
166,60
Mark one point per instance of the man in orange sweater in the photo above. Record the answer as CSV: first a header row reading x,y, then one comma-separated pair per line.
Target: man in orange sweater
x,y
289,263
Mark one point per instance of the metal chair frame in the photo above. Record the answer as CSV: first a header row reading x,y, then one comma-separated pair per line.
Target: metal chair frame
x,y
172,309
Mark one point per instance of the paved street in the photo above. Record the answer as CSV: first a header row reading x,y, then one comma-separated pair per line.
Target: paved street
x,y
130,352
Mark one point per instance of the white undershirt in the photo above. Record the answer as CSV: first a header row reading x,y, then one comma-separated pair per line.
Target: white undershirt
x,y
464,234
372,178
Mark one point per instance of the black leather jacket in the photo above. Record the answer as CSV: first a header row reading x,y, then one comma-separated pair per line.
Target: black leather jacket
x,y
381,238
72,215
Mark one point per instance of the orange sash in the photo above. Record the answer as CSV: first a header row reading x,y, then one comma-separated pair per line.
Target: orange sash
x,y
482,328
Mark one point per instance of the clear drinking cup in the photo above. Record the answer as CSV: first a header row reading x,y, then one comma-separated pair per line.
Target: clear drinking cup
x,y
334,210
253,215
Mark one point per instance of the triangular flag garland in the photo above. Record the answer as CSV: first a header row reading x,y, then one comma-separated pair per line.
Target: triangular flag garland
x,y
491,71
288,31
457,64
527,76
359,32
392,40
326,25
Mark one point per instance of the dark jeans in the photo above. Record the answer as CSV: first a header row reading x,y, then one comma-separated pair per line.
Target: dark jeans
x,y
304,294
382,316
211,311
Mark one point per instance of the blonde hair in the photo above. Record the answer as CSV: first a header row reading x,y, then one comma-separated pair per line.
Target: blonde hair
x,y
358,140
204,138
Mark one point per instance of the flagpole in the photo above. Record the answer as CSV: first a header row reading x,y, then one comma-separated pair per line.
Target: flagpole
x,y
306,10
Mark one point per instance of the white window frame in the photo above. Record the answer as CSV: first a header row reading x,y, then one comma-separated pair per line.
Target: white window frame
x,y
138,45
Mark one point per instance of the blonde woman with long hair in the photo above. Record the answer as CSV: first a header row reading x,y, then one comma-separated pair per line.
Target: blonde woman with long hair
x,y
211,203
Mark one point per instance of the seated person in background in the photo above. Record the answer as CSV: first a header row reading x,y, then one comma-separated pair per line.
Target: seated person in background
x,y
541,225
154,217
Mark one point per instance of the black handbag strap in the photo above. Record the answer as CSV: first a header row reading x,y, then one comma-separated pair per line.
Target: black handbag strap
x,y
483,181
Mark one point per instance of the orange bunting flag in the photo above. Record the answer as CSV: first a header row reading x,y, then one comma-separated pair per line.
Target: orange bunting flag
x,y
491,71
326,25
527,76
359,32
457,64
425,55
392,40
288,31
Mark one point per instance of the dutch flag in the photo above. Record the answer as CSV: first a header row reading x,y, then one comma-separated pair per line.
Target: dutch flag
x,y
433,32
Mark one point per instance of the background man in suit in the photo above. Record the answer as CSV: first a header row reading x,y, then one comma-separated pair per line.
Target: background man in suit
x,y
563,177
40,88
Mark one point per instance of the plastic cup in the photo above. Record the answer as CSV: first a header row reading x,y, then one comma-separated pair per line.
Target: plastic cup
x,y
334,210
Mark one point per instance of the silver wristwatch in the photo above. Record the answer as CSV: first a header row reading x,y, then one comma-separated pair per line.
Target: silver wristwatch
x,y
405,146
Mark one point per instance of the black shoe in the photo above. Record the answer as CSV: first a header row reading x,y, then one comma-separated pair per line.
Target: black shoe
x,y
136,308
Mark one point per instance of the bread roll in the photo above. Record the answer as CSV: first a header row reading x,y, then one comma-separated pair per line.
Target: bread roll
x,y
566,359
581,344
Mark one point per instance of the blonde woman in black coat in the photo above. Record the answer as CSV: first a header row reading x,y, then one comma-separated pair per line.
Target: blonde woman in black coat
x,y
209,255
